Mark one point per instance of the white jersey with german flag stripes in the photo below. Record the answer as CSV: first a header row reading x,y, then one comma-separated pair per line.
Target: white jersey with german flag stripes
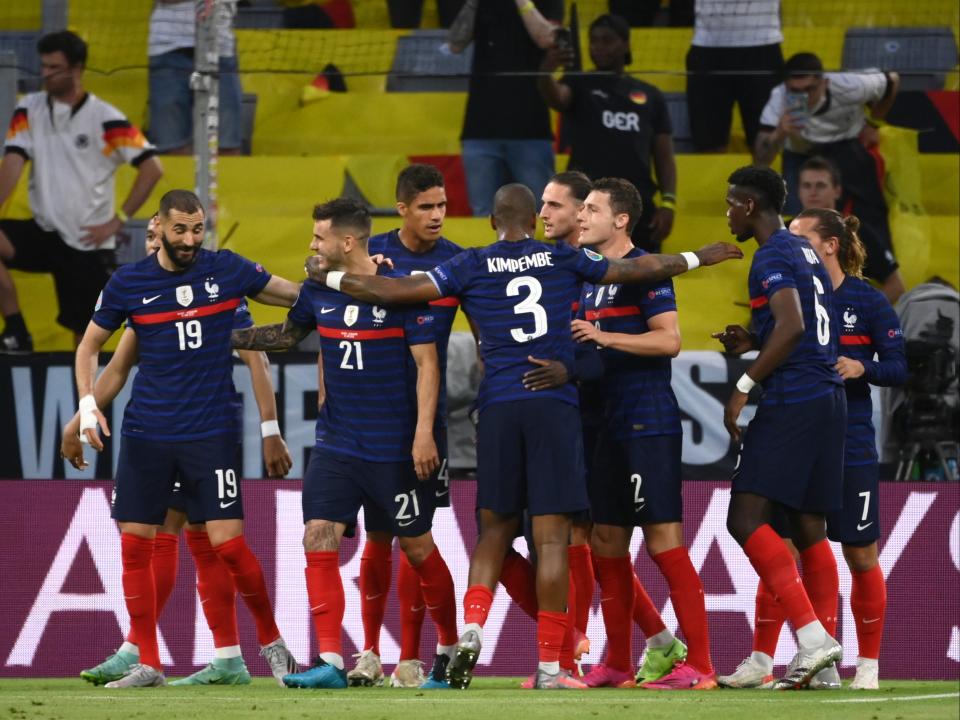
x,y
76,151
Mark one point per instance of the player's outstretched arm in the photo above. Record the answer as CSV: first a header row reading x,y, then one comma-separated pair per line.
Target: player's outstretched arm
x,y
279,336
86,370
786,334
278,291
276,456
426,459
654,268
375,289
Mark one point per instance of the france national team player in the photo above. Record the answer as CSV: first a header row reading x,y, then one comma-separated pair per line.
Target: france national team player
x,y
868,327
214,583
181,421
530,456
792,453
381,383
415,247
635,475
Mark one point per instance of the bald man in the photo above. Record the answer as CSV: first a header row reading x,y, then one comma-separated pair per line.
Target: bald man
x,y
518,291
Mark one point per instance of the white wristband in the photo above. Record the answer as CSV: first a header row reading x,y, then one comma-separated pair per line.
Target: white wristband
x,y
88,418
269,428
745,384
693,262
333,279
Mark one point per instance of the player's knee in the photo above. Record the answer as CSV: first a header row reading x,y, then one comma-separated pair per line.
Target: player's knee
x,y
661,537
739,527
320,536
417,549
861,558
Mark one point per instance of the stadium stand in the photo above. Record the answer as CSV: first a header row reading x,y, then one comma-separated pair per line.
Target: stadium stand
x,y
358,139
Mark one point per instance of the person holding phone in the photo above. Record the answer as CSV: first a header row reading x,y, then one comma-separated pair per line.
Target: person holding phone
x,y
816,113
619,125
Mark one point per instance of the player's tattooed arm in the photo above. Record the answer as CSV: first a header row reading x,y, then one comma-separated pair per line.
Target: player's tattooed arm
x,y
461,29
378,290
654,268
279,336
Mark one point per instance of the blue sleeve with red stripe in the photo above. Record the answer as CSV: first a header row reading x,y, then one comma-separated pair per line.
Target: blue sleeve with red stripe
x,y
890,368
418,325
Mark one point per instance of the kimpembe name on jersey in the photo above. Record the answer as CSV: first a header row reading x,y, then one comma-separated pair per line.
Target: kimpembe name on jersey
x,y
520,264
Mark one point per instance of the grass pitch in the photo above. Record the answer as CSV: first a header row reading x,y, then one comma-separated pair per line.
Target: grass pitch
x,y
493,698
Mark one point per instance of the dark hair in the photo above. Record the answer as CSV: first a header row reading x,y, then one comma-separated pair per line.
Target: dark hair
x,y
415,179
830,223
803,64
345,213
514,206
817,162
624,198
578,183
764,184
70,44
620,27
186,201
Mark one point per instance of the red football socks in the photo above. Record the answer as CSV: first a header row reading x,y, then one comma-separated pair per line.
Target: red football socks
x,y
868,601
439,596
581,570
164,566
686,594
822,583
476,604
615,578
413,609
248,579
519,580
768,621
645,613
376,567
568,647
140,595
325,593
775,565
550,629
216,590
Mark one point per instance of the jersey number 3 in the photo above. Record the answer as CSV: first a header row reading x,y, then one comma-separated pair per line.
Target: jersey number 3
x,y
528,305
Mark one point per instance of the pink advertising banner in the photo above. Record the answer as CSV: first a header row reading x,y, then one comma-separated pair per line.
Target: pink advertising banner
x,y
61,602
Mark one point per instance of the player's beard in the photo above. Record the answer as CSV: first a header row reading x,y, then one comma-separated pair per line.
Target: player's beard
x,y
172,253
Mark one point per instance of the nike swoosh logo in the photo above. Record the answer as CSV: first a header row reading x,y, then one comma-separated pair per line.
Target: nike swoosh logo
x,y
324,311
409,522
318,607
607,599
130,597
372,597
417,609
441,493
433,607
224,505
864,527
147,301
867,622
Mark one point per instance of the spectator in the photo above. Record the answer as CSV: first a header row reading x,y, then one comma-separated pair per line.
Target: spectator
x,y
171,47
76,142
408,13
506,128
817,113
617,124
735,57
820,187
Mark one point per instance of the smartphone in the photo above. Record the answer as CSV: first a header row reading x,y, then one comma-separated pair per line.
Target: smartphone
x,y
798,107
562,38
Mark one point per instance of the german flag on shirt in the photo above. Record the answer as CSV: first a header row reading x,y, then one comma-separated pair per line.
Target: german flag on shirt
x,y
121,134
18,123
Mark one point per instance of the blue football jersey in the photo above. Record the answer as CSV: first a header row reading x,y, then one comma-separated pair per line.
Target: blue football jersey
x,y
443,310
183,320
637,397
370,410
788,261
868,327
519,296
